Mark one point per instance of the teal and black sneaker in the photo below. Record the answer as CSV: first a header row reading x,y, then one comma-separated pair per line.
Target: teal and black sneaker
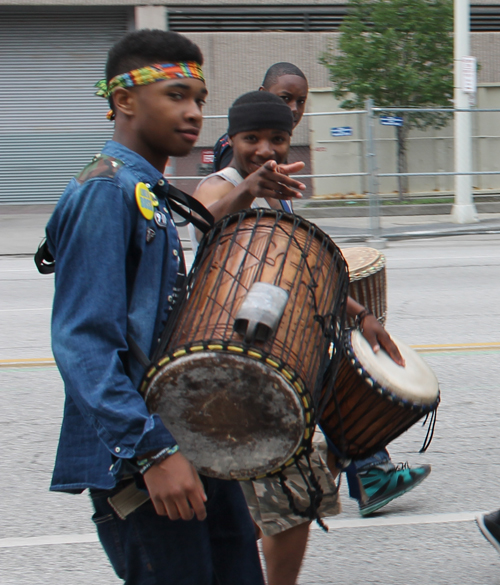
x,y
382,486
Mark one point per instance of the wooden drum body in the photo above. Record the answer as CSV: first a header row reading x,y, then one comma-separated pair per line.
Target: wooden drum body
x,y
240,400
375,400
367,280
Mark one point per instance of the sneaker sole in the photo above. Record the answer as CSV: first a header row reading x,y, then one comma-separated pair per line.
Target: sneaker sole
x,y
376,506
486,533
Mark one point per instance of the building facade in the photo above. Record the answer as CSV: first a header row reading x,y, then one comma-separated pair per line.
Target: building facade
x,y
53,52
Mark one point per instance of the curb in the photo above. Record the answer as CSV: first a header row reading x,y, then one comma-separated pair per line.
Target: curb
x,y
390,210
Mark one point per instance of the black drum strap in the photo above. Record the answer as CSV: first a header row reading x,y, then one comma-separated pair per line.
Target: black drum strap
x,y
43,259
184,205
313,489
137,352
178,294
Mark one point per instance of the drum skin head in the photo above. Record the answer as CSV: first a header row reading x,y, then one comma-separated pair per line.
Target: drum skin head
x,y
415,383
233,417
363,261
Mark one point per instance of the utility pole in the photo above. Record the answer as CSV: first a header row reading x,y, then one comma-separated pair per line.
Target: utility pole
x,y
464,210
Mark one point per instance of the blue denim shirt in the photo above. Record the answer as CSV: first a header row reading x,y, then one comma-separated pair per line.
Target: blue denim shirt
x,y
109,282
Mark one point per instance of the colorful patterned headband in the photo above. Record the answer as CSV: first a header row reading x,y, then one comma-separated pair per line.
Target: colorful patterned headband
x,y
147,75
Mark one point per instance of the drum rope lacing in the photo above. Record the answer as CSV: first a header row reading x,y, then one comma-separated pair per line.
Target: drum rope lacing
x,y
314,491
430,430
330,323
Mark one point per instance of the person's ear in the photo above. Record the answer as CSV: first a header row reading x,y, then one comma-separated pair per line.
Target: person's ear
x,y
262,88
230,140
124,101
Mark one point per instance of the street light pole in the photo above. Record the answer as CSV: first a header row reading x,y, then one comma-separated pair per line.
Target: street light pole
x,y
463,210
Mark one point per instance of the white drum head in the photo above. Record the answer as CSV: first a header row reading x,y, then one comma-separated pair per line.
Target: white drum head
x,y
414,383
363,261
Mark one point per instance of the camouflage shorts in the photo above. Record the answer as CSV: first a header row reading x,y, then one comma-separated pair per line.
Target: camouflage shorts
x,y
269,506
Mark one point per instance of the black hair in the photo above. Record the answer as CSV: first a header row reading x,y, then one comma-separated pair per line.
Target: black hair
x,y
146,47
278,70
258,110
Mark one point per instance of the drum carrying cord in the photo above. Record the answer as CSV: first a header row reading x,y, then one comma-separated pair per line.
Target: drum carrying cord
x,y
313,489
430,430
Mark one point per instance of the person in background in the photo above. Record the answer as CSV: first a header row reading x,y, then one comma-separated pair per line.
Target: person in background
x,y
375,481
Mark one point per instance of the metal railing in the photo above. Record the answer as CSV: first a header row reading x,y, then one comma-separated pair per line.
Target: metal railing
x,y
372,173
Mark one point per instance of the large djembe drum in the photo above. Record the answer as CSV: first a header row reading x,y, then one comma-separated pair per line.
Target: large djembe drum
x,y
240,381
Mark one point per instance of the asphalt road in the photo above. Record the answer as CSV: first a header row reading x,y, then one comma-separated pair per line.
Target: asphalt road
x,y
441,292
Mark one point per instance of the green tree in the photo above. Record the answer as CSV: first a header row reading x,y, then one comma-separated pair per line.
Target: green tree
x,y
398,53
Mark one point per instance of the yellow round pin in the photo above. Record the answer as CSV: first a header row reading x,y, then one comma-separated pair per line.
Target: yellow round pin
x,y
145,200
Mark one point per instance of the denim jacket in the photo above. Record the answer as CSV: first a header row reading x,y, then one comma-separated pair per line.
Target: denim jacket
x,y
115,274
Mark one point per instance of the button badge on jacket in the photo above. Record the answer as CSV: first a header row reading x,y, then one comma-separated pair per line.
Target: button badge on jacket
x,y
146,201
160,219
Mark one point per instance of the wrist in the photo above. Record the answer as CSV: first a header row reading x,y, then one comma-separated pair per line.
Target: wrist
x,y
360,317
146,462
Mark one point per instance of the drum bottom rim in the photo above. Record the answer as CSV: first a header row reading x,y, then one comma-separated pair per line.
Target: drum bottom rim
x,y
290,378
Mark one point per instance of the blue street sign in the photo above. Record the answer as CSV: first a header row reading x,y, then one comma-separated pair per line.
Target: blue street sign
x,y
341,131
391,121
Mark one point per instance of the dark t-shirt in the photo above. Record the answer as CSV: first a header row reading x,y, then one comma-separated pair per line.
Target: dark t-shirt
x,y
223,153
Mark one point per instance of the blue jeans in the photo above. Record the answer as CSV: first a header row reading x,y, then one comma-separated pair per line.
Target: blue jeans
x,y
147,549
380,459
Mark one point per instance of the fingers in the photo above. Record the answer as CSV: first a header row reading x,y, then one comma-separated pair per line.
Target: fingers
x,y
378,338
160,507
183,509
371,337
197,501
270,165
277,185
172,510
275,191
392,349
187,504
176,489
200,485
277,175
290,168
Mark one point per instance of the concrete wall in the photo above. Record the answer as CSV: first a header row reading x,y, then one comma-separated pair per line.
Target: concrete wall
x,y
236,62
428,151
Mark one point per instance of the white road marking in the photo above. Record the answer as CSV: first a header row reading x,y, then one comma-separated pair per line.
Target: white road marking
x,y
48,540
58,539
416,519
18,310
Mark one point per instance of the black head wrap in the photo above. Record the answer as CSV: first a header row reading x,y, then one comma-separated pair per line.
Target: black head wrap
x,y
259,110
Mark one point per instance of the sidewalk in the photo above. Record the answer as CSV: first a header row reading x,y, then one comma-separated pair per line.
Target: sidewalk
x,y
23,227
349,229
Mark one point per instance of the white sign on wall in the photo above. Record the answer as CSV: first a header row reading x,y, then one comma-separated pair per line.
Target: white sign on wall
x,y
469,82
391,120
341,131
